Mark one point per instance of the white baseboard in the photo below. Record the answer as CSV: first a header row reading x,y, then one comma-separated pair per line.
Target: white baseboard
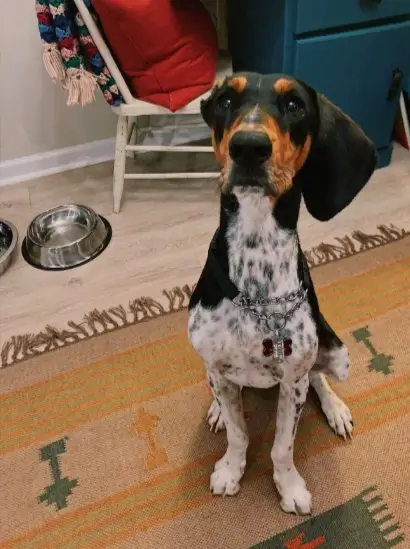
x,y
59,160
87,154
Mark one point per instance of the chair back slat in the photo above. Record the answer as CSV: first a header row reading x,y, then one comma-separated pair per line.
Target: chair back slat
x,y
105,51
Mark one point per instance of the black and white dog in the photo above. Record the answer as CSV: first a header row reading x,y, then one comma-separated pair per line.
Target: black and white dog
x,y
254,315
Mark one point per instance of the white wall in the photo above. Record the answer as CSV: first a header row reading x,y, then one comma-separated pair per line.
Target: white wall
x,y
33,115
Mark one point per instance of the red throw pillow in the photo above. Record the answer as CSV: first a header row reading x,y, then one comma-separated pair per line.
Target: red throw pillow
x,y
166,49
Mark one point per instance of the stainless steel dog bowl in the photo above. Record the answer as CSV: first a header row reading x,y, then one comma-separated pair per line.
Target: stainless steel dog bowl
x,y
8,242
65,237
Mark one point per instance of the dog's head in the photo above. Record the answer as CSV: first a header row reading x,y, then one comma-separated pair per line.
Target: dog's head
x,y
266,130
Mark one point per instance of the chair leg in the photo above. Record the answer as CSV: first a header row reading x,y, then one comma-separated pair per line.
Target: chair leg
x,y
132,134
119,162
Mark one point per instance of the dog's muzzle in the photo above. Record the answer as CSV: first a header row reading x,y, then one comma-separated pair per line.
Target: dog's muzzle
x,y
250,149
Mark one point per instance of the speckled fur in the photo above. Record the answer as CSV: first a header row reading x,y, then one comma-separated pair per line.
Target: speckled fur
x,y
277,140
263,263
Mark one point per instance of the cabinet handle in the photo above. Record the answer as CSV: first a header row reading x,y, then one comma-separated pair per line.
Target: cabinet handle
x,y
396,85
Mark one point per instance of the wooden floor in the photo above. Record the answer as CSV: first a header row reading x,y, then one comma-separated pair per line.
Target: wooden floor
x,y
160,238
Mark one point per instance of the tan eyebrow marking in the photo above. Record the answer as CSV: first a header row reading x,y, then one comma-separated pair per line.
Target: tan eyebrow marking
x,y
238,83
283,85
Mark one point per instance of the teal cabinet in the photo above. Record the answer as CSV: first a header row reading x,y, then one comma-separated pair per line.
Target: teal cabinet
x,y
312,15
356,72
356,52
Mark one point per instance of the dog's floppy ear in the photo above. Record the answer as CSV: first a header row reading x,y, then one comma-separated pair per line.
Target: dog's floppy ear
x,y
340,163
208,105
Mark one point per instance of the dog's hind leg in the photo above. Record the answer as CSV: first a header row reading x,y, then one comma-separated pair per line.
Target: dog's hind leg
x,y
229,470
333,361
333,356
337,413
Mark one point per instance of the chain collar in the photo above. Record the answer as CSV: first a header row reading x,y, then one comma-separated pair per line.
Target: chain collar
x,y
275,320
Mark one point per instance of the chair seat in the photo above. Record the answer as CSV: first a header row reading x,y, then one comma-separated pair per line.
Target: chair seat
x,y
141,108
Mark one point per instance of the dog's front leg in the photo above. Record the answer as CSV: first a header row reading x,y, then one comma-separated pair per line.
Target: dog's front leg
x,y
229,470
290,485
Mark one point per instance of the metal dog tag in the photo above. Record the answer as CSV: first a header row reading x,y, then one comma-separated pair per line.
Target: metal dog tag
x,y
278,347
281,347
279,350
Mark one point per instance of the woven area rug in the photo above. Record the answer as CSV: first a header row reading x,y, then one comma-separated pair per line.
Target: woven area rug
x,y
104,443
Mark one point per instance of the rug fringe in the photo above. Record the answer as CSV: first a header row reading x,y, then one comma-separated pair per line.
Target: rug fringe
x,y
356,243
95,323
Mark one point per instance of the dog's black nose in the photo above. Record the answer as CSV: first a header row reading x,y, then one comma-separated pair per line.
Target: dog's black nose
x,y
250,148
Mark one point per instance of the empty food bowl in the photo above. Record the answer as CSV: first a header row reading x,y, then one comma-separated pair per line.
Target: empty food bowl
x,y
65,237
8,242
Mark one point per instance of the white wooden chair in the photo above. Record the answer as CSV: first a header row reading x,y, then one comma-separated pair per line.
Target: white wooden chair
x,y
129,113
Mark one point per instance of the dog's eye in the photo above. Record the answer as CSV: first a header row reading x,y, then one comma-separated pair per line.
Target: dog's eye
x,y
224,102
294,106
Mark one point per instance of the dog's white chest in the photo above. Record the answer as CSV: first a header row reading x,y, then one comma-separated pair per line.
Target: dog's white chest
x,y
263,265
232,340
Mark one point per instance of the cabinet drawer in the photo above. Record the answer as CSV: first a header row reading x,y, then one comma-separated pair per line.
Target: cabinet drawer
x,y
354,70
315,15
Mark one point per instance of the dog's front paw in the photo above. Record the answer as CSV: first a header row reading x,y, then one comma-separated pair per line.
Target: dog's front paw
x,y
295,496
214,417
338,415
225,480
